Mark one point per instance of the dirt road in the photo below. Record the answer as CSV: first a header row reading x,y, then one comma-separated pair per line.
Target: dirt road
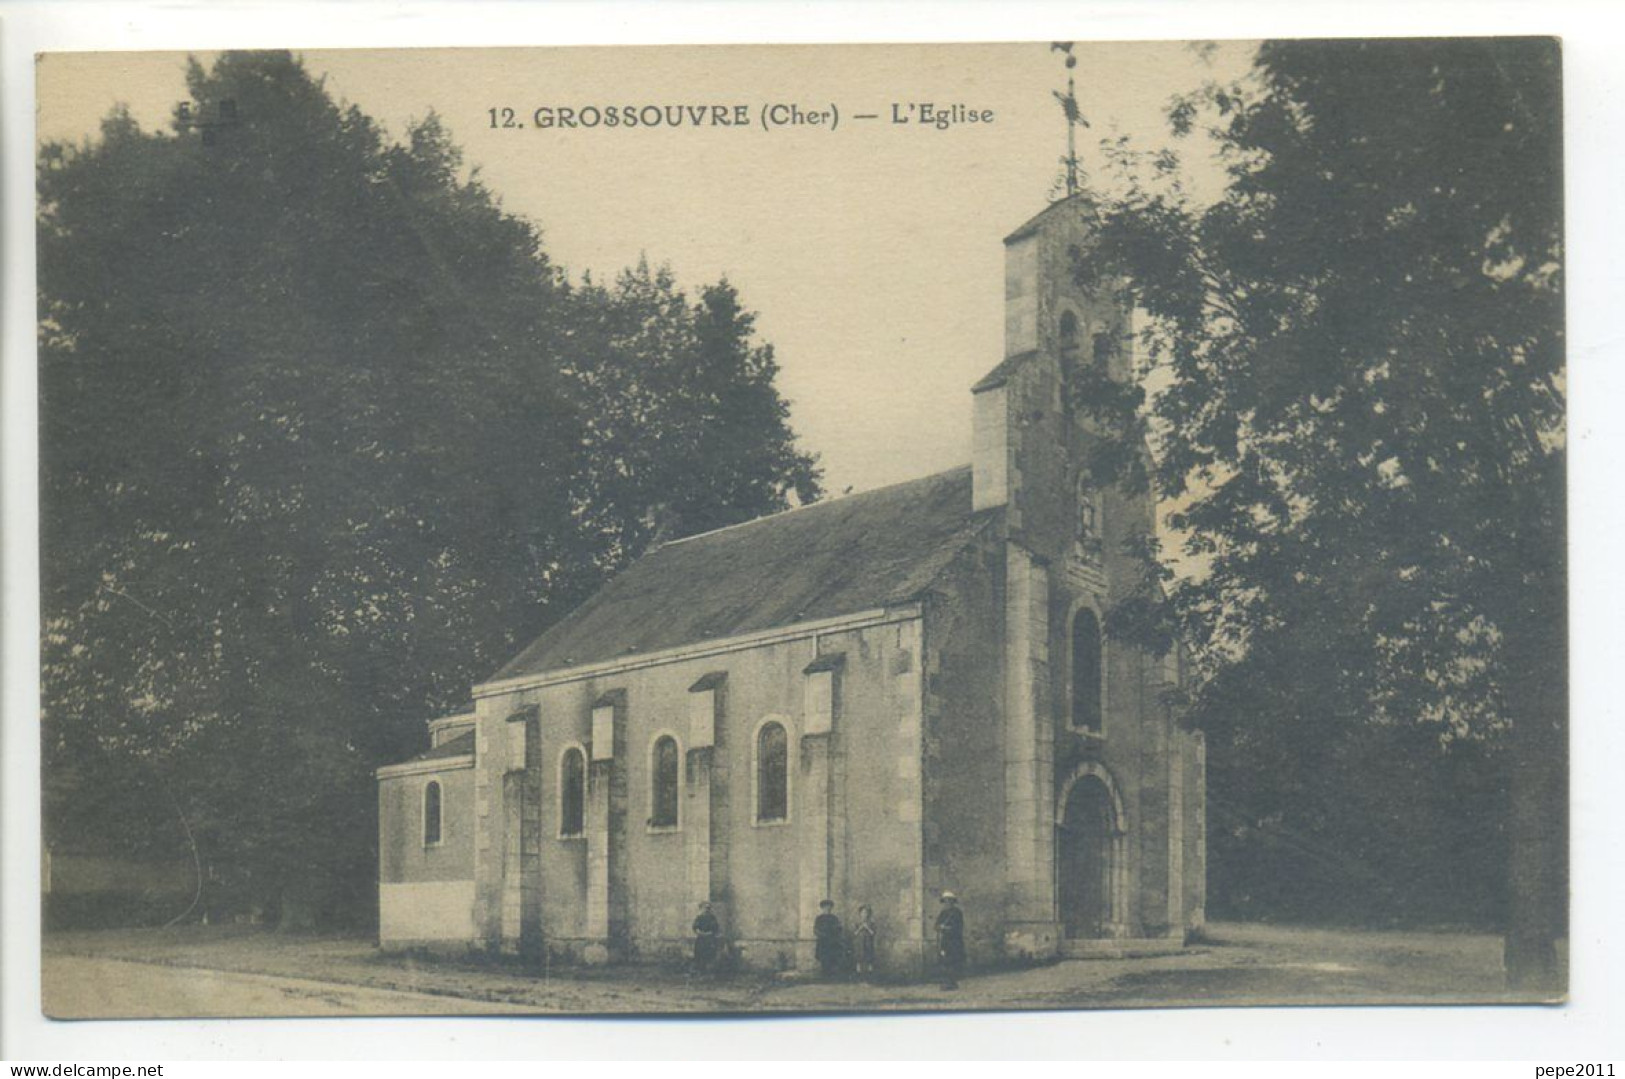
x,y
77,987
220,971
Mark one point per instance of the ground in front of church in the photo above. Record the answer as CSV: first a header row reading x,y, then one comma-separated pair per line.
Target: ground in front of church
x,y
241,971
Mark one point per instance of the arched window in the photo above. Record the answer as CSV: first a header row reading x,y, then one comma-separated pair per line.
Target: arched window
x,y
663,778
1086,671
431,813
772,773
572,794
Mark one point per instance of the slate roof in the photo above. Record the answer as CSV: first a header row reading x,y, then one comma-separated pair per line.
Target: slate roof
x,y
1002,372
849,554
461,746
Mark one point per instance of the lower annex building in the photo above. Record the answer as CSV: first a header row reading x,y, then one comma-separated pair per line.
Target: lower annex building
x,y
870,699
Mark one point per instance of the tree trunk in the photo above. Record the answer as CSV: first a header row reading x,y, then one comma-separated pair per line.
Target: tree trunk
x,y
1537,824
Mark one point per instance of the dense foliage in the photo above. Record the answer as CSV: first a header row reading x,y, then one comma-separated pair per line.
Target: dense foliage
x,y
325,436
1359,413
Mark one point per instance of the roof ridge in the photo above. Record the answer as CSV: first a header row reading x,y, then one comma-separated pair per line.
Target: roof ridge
x,y
839,500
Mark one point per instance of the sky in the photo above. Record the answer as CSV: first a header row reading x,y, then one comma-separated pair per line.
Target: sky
x,y
871,251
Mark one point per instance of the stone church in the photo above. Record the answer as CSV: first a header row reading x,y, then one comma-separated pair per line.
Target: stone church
x,y
871,699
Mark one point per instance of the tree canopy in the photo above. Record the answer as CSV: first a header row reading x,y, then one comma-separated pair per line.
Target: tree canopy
x,y
325,436
1358,409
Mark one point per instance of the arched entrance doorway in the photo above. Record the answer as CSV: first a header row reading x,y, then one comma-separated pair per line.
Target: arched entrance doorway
x,y
1089,865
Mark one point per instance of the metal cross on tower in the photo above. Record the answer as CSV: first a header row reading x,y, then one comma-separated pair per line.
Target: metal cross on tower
x,y
1069,106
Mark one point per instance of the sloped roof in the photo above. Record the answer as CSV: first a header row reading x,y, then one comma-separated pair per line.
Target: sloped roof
x,y
1002,371
1082,199
832,558
460,746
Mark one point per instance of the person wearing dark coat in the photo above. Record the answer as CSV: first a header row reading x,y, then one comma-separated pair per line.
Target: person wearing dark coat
x,y
951,940
707,939
827,939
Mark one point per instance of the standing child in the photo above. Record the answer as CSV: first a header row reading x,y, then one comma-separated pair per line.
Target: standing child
x,y
863,942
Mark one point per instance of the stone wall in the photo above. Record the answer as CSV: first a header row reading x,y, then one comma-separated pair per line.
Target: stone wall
x,y
630,890
402,855
426,893
965,768
426,913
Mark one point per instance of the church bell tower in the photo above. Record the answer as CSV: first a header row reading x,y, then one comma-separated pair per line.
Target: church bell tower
x,y
1098,776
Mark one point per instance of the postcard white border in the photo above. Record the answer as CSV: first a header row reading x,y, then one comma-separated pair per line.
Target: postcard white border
x,y
1595,85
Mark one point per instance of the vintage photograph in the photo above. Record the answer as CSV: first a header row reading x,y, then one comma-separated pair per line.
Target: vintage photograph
x,y
796,529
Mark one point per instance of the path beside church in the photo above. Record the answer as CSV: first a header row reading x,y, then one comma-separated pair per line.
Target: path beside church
x,y
235,971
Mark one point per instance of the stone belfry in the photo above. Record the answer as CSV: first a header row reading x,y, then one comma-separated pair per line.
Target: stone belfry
x,y
1062,324
1098,777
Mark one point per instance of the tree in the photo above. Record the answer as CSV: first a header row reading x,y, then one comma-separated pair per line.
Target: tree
x,y
317,453
1359,412
690,433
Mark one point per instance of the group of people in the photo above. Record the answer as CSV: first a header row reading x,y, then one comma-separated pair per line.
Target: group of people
x,y
830,945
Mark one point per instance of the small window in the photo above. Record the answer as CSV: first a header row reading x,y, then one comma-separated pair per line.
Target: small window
x,y
663,783
1069,340
1087,681
431,814
572,794
772,773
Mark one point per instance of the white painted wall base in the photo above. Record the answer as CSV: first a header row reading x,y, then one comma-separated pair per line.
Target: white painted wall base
x,y
425,910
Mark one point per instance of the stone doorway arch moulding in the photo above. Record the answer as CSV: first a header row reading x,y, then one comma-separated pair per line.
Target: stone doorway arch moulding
x,y
1117,869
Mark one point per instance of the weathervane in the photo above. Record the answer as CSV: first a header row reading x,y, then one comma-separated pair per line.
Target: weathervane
x,y
1069,106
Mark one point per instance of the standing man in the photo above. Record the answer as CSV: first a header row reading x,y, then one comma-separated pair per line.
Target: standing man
x,y
827,937
707,939
951,940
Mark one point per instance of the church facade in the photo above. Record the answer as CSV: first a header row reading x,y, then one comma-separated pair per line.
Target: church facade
x,y
872,700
